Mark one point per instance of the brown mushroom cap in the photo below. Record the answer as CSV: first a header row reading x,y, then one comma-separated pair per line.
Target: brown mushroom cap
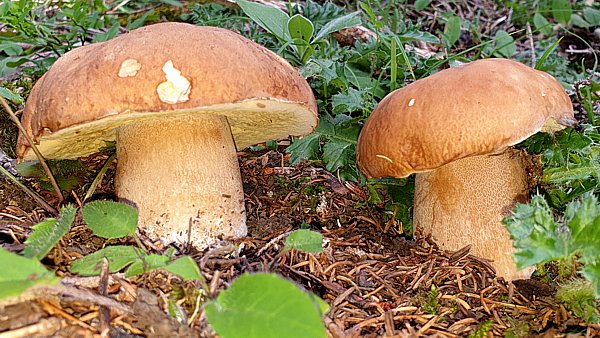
x,y
163,70
481,107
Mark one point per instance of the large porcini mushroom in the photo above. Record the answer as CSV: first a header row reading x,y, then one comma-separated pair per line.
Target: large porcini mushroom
x,y
454,129
178,99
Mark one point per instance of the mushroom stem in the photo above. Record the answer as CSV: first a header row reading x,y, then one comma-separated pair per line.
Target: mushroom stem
x,y
183,175
464,202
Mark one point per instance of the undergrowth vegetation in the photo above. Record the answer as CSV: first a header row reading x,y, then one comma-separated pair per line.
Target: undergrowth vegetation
x,y
396,46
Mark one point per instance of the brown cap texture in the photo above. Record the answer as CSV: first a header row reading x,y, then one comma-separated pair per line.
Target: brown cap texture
x,y
481,107
160,70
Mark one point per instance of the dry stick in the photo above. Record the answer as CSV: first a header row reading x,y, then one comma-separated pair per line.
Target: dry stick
x,y
29,192
99,177
34,148
531,45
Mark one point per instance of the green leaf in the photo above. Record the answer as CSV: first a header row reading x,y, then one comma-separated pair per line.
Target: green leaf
x,y
146,263
592,16
418,35
300,27
46,234
562,11
184,267
270,18
421,4
119,256
591,272
341,148
9,95
452,30
305,240
110,219
536,236
541,24
348,20
583,218
266,306
109,34
172,3
19,273
578,21
505,45
348,102
305,148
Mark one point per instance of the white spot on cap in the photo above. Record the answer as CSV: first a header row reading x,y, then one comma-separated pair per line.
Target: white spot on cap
x,y
385,157
129,67
176,88
411,102
543,94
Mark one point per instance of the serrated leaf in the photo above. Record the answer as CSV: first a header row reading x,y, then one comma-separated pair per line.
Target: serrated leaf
x,y
146,263
119,256
270,18
19,273
505,44
583,219
541,24
110,219
337,153
184,267
305,240
9,95
266,306
562,11
305,148
347,102
46,234
348,20
536,236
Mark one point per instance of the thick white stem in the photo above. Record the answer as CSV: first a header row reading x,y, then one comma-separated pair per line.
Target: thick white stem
x,y
183,175
464,202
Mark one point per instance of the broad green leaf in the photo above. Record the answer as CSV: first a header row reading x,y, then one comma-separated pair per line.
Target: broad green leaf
x,y
146,263
541,24
46,234
19,273
305,148
119,256
337,153
583,218
184,267
266,306
505,44
305,240
109,34
9,95
562,11
418,35
110,219
348,20
421,4
452,30
591,272
578,21
592,16
300,27
270,18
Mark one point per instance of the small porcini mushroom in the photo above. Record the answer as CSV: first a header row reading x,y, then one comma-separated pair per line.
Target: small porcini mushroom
x,y
178,99
454,129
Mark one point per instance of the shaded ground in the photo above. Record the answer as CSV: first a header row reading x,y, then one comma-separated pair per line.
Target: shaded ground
x,y
377,282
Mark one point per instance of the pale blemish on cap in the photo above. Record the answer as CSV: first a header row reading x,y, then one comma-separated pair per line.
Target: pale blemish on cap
x,y
543,94
411,102
176,88
385,157
129,67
